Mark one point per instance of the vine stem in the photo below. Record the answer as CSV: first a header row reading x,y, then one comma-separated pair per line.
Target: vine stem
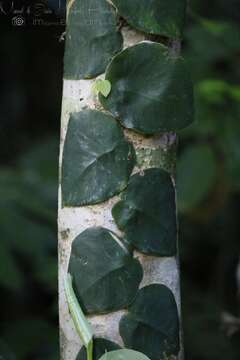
x,y
68,7
90,351
82,326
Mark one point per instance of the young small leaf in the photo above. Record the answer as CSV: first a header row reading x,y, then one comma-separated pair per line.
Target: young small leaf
x,y
102,86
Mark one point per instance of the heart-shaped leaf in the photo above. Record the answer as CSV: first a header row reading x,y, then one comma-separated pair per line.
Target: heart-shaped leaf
x,y
151,89
124,354
152,324
92,39
100,347
102,86
147,213
105,275
165,17
97,160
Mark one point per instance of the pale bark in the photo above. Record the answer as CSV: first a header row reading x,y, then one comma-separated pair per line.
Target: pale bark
x,y
155,151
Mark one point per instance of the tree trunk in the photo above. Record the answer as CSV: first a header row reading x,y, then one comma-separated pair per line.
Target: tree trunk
x,y
157,151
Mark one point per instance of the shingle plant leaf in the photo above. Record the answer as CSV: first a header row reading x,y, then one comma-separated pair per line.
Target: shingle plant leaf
x,y
105,275
97,160
92,38
100,347
162,17
124,354
147,213
102,86
152,324
151,89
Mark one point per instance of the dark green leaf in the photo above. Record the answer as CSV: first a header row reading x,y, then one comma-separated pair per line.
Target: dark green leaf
x,y
97,160
165,17
196,175
152,325
147,213
100,347
105,276
124,354
151,89
92,39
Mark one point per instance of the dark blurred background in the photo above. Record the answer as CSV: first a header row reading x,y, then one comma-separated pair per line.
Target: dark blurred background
x,y
31,59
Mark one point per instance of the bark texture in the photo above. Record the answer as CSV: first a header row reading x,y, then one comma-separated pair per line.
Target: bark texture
x,y
155,151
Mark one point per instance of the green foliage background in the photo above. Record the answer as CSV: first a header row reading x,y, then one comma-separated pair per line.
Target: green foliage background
x,y
208,182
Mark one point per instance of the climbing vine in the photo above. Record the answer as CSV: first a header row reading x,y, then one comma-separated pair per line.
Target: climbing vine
x,y
147,89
